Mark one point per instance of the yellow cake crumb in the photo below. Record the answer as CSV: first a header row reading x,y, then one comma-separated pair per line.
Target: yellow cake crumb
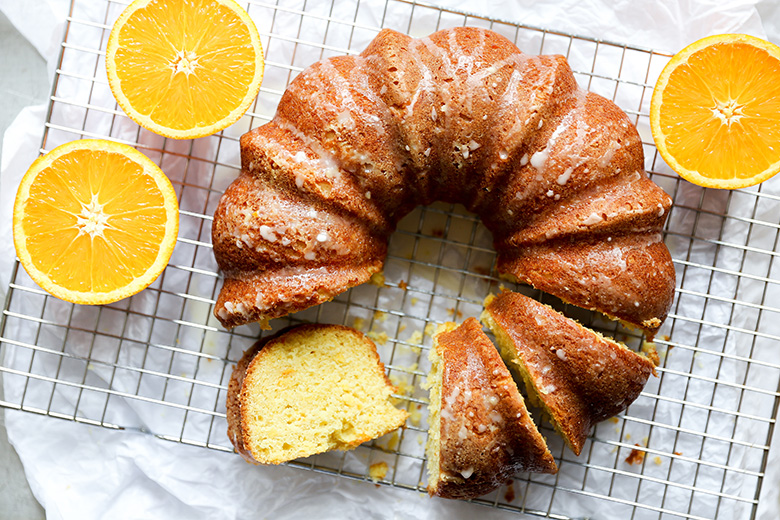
x,y
415,415
456,313
429,329
378,471
380,316
358,323
415,301
415,339
379,337
648,348
377,279
657,460
614,420
402,384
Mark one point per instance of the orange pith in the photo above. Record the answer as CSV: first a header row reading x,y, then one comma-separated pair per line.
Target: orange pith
x,y
184,68
715,112
94,221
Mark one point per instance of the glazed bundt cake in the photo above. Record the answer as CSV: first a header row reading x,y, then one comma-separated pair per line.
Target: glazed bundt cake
x,y
555,173
308,390
480,433
578,376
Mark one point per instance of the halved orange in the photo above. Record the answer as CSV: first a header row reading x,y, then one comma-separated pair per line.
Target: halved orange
x,y
94,221
715,111
184,68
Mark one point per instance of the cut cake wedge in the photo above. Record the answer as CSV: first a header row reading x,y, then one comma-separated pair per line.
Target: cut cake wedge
x,y
308,390
480,433
578,376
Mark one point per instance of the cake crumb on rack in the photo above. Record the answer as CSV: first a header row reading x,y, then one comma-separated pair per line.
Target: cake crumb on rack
x,y
379,337
509,496
649,350
377,279
378,471
429,329
636,456
415,415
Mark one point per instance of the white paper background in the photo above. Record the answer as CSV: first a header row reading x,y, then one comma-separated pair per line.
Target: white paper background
x,y
78,471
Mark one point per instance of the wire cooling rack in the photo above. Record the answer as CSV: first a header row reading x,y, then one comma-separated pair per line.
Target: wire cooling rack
x,y
694,445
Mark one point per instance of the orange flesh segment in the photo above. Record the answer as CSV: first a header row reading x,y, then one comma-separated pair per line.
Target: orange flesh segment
x,y
179,80
720,114
52,229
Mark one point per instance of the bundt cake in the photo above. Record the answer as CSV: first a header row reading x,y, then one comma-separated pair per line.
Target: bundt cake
x,y
480,433
555,173
578,376
308,390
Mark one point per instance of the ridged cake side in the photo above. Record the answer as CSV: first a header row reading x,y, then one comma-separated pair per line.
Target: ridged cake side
x,y
555,173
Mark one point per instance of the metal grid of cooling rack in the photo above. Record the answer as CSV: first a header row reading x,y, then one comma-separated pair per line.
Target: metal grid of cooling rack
x,y
159,363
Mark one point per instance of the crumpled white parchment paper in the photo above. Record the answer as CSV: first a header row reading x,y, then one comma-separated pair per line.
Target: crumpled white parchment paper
x,y
78,471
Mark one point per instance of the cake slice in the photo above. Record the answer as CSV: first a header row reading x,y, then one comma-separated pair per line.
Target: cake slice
x,y
480,433
578,376
308,390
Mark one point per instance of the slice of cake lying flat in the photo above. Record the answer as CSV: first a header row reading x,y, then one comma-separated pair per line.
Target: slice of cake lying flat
x,y
578,376
308,390
480,433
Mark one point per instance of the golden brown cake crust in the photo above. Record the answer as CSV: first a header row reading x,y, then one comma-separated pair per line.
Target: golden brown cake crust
x,y
623,276
581,377
233,404
555,173
487,435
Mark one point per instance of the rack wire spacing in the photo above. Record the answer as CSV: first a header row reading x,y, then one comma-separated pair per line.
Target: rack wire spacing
x,y
159,362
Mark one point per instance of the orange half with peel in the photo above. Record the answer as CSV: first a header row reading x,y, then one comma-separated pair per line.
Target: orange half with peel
x,y
184,68
715,111
94,221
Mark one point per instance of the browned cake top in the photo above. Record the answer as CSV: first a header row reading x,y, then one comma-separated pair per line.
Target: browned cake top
x,y
463,116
